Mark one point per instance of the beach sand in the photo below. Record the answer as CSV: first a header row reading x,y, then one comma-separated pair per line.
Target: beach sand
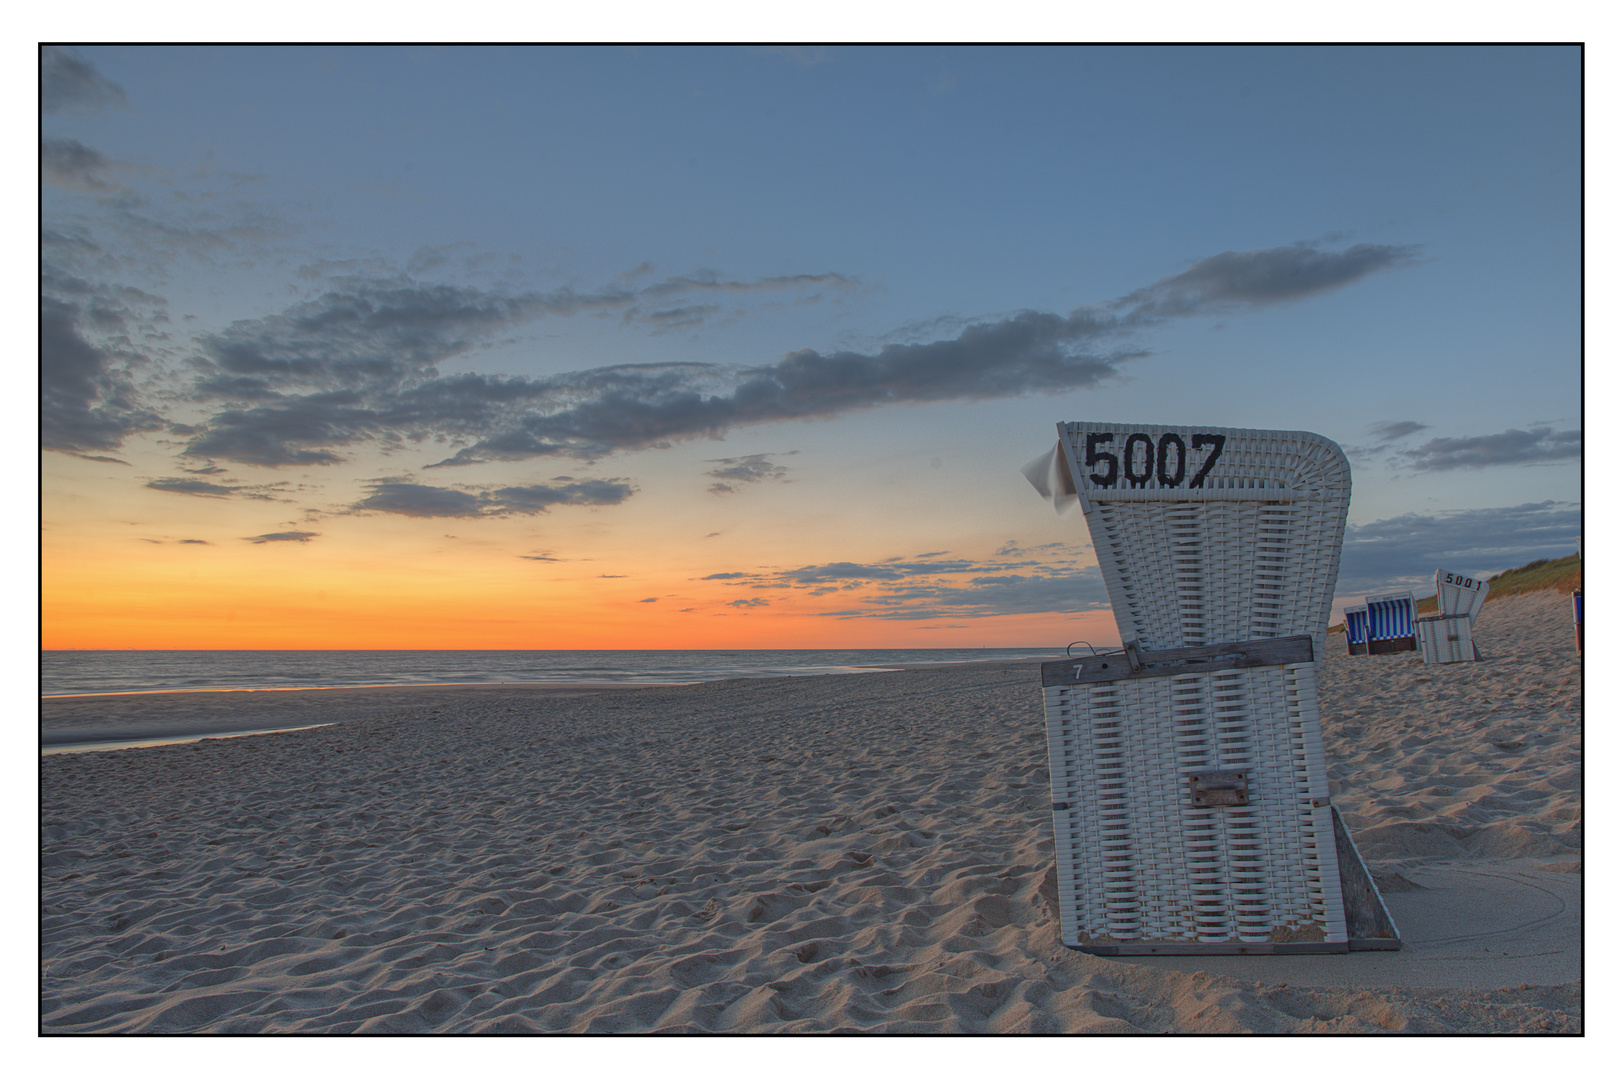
x,y
831,853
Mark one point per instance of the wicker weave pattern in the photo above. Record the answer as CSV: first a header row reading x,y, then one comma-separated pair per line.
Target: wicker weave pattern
x,y
1142,863
1253,555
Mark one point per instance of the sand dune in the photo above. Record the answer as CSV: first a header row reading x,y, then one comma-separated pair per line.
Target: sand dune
x,y
833,853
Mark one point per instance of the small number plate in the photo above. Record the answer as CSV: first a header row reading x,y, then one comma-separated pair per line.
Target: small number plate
x,y
1219,787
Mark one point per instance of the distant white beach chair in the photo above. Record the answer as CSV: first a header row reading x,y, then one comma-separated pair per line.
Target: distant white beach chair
x,y
1191,809
1357,619
1445,638
1391,623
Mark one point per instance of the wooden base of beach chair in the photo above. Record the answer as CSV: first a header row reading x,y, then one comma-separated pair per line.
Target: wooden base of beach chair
x,y
1392,645
1445,639
1360,648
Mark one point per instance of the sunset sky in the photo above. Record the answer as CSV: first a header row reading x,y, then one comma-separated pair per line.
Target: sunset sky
x,y
405,347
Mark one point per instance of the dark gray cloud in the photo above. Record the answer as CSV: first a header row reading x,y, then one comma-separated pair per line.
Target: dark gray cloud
x,y
750,469
282,537
930,587
427,501
191,487
629,407
297,433
534,498
369,334
680,318
887,571
1512,447
1263,276
68,83
711,281
1058,590
421,500
1390,431
358,364
87,398
1407,551
69,163
1385,433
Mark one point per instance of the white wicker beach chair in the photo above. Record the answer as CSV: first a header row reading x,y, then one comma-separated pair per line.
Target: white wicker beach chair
x,y
1191,809
1391,623
1357,630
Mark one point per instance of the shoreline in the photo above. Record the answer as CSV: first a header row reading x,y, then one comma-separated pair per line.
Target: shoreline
x,y
144,716
138,718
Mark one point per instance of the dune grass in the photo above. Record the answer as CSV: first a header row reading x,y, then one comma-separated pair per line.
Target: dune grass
x,y
1565,574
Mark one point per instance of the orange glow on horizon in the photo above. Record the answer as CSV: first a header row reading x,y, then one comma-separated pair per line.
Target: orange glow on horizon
x,y
286,600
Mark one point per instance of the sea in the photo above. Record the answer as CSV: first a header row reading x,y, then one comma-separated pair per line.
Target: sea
x,y
127,671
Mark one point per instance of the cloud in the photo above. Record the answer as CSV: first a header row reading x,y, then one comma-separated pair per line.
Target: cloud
x,y
1390,431
1407,551
358,364
68,163
750,469
929,587
1056,590
1513,447
281,537
68,83
206,489
426,501
535,498
191,487
420,500
595,412
87,399
373,333
1263,276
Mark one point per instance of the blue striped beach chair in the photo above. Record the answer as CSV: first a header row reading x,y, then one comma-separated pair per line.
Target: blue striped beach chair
x,y
1391,623
1357,630
1191,806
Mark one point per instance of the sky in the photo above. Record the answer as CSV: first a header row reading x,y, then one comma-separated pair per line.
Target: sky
x,y
407,347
